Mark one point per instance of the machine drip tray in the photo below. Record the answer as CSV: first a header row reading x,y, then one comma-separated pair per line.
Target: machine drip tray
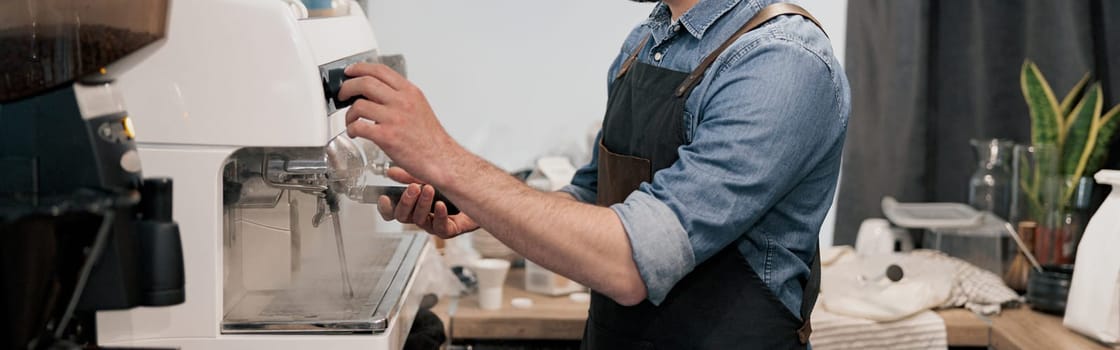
x,y
316,303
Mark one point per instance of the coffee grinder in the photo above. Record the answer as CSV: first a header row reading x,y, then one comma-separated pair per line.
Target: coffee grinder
x,y
80,229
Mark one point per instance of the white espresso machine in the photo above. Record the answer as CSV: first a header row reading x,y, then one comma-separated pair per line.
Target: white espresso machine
x,y
237,107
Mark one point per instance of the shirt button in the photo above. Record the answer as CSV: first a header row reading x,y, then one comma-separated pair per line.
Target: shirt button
x,y
657,56
677,28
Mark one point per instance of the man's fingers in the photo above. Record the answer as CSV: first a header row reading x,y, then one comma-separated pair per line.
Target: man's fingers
x,y
440,210
365,109
365,130
400,175
385,207
463,223
423,205
380,71
369,88
405,206
441,223
426,225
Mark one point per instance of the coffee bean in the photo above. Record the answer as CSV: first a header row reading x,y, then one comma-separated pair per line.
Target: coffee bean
x,y
35,59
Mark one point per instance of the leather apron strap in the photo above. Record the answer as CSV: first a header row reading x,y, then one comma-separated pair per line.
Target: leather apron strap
x,y
633,57
765,15
809,297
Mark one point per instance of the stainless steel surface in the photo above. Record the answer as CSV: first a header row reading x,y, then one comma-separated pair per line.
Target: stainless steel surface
x,y
394,291
337,166
380,274
322,210
366,194
296,232
346,163
347,288
305,297
255,193
395,62
340,166
303,166
294,174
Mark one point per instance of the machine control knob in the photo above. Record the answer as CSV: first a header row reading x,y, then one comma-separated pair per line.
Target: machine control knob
x,y
333,84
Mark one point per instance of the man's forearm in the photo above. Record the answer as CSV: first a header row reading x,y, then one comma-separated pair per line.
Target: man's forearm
x,y
584,242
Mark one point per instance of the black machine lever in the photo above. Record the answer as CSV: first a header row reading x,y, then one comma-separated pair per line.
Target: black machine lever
x,y
370,194
395,193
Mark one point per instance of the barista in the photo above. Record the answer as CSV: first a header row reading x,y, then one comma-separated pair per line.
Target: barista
x,y
695,223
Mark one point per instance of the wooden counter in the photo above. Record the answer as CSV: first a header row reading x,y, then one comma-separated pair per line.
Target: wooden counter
x,y
559,318
1025,329
964,328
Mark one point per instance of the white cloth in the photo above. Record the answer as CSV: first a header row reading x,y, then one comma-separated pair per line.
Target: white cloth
x,y
975,289
855,286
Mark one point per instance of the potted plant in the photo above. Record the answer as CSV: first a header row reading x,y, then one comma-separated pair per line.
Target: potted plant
x,y
1075,132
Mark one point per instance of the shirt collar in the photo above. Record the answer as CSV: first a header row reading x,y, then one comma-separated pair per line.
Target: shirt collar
x,y
698,19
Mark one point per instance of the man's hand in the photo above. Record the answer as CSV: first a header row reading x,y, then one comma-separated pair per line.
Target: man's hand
x,y
415,207
394,114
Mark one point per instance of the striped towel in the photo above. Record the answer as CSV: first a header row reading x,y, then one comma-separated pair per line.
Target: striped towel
x,y
831,331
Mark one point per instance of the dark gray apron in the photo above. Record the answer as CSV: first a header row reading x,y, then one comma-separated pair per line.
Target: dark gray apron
x,y
722,303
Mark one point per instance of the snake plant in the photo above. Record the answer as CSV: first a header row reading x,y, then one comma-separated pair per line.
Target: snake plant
x,y
1075,126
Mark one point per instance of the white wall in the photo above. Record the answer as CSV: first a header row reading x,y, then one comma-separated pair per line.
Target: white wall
x,y
516,79
510,79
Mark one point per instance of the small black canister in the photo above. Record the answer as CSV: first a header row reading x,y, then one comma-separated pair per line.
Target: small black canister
x,y
1047,291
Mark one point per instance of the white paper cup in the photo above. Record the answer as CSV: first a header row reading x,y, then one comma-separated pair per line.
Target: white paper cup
x,y
491,275
490,298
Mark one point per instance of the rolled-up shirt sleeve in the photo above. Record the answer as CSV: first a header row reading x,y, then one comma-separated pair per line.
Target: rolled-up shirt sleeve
x,y
660,244
764,125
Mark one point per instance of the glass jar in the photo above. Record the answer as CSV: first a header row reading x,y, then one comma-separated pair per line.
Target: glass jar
x,y
989,188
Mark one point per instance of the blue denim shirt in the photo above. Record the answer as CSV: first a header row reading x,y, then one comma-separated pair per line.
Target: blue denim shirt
x,y
764,133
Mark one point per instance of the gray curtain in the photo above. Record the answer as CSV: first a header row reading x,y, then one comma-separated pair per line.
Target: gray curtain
x,y
928,75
